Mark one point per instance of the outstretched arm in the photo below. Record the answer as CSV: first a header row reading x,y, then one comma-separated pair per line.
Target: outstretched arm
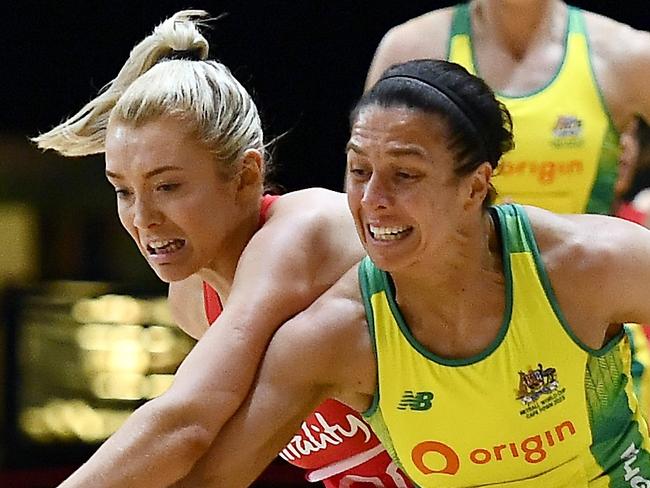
x,y
280,273
323,352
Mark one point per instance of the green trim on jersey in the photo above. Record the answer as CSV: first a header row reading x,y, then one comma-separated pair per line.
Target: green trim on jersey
x,y
520,228
370,282
602,191
461,24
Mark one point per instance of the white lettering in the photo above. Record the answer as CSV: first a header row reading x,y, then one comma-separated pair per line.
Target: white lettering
x,y
393,472
632,473
630,452
639,482
350,479
316,437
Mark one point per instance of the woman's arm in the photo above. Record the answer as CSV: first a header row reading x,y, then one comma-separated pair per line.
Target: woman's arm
x,y
323,352
285,267
622,67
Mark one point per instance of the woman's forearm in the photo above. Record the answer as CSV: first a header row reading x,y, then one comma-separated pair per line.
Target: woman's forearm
x,y
156,446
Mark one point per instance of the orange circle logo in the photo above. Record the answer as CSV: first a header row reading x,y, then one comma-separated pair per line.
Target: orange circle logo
x,y
452,462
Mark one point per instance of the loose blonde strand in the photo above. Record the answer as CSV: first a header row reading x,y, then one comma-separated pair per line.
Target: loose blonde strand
x,y
84,133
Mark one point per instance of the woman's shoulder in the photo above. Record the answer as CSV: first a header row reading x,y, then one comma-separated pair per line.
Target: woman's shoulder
x,y
631,46
311,227
311,198
309,208
581,243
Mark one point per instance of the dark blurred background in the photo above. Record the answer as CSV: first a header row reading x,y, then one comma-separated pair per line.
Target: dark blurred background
x,y
61,247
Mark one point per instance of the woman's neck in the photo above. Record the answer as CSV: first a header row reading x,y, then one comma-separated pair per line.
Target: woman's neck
x,y
516,24
471,266
220,271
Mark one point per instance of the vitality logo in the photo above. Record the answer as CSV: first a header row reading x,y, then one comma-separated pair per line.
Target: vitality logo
x,y
418,401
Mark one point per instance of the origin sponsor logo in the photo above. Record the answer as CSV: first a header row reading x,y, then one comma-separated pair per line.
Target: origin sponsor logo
x,y
545,172
532,450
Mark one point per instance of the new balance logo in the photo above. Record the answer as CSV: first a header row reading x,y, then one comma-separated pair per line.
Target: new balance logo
x,y
415,401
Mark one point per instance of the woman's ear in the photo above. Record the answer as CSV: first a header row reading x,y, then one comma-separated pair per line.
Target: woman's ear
x,y
479,184
251,173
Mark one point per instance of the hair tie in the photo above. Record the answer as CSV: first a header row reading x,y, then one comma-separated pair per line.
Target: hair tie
x,y
192,54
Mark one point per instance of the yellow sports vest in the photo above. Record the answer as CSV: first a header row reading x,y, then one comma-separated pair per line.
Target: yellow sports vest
x,y
537,408
566,146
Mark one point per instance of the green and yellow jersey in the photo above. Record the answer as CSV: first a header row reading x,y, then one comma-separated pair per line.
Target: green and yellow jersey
x,y
566,146
538,408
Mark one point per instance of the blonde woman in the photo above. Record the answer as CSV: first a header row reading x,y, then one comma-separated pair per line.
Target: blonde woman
x,y
185,153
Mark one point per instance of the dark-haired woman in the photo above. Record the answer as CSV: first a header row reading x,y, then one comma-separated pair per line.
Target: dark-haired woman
x,y
484,344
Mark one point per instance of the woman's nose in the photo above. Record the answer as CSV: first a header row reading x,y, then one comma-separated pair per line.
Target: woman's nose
x,y
146,214
376,193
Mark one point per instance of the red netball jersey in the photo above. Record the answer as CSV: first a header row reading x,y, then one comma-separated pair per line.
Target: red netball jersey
x,y
211,298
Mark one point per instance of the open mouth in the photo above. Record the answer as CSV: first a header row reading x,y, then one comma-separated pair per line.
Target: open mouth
x,y
389,233
158,248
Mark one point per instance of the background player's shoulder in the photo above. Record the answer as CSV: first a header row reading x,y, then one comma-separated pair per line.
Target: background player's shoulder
x,y
425,36
620,56
611,38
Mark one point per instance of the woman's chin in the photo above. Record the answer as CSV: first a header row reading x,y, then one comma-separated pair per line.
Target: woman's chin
x,y
168,274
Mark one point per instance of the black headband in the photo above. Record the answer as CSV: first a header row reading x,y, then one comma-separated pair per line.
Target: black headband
x,y
446,93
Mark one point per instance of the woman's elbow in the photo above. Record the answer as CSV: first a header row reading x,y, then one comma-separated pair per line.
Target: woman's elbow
x,y
187,430
193,441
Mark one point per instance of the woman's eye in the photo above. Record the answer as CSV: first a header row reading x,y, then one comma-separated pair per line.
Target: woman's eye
x,y
407,175
122,193
166,187
358,172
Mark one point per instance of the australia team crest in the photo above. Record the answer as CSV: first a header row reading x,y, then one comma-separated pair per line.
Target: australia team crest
x,y
539,389
568,132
